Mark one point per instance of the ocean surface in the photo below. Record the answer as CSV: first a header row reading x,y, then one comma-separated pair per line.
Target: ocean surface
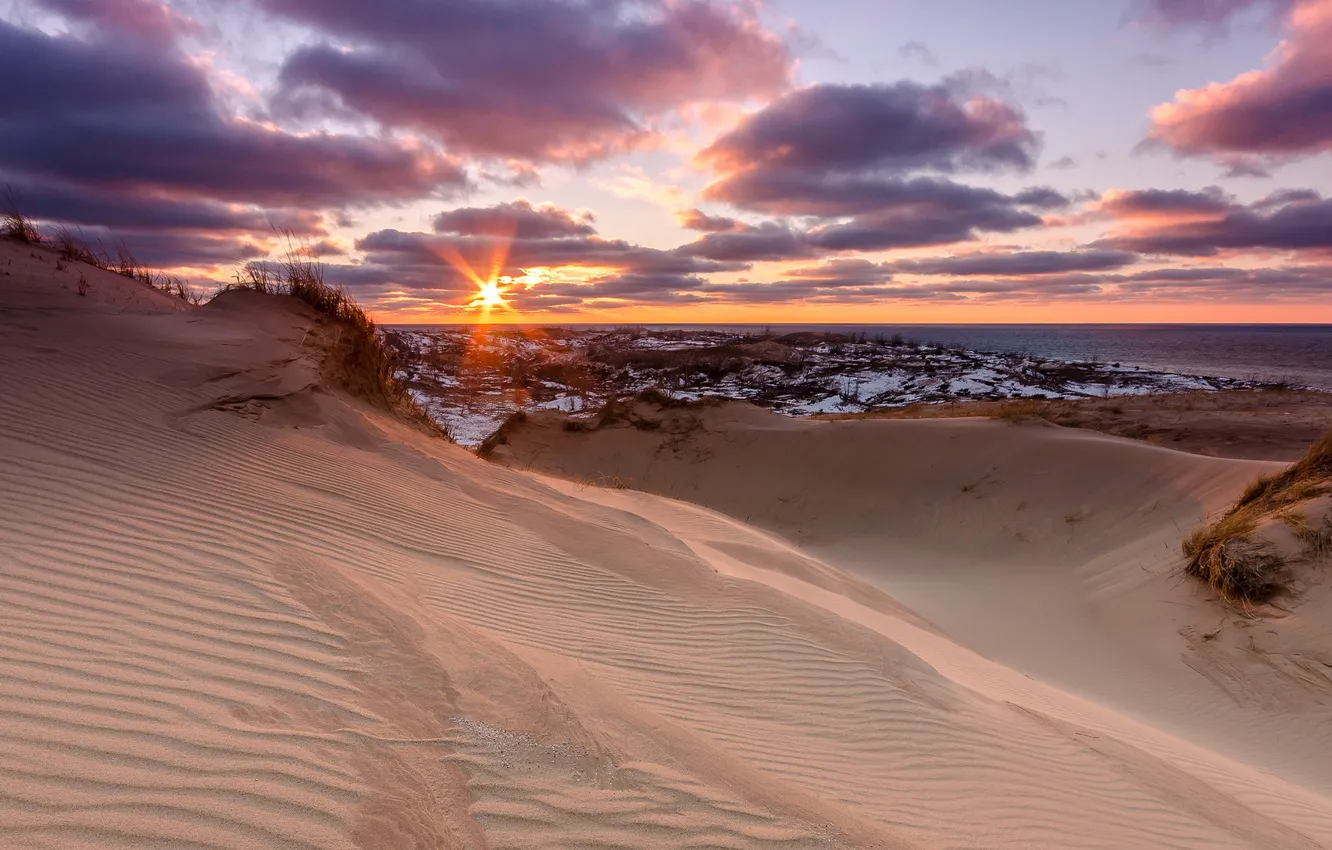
x,y
1299,354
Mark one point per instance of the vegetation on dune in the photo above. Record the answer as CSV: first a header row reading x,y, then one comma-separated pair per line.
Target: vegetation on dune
x,y
14,224
358,359
1243,567
616,411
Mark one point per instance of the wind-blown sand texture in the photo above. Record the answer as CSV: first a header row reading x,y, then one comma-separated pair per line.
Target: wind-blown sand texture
x,y
238,609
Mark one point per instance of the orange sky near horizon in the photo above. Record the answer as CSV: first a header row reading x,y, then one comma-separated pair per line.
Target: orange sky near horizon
x,y
892,314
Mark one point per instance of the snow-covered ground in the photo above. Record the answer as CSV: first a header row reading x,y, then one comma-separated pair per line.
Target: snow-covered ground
x,y
470,381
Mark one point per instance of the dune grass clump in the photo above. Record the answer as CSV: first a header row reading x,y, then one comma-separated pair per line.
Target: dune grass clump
x,y
72,248
14,224
358,358
1226,555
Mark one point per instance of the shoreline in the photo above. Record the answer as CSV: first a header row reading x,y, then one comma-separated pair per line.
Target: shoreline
x,y
471,381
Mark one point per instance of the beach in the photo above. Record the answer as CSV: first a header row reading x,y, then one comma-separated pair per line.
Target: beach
x,y
244,606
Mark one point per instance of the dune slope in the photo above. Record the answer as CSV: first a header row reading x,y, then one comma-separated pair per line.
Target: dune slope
x,y
238,609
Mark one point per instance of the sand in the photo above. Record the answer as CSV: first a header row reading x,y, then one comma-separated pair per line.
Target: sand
x,y
240,609
1251,424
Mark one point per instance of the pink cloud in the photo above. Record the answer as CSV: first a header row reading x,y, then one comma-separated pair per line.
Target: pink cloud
x,y
1281,111
150,19
529,80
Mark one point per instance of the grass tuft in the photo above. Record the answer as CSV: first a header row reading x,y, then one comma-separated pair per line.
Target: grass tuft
x,y
72,248
358,359
1224,553
14,224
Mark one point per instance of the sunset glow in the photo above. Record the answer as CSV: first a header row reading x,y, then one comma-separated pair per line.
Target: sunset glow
x,y
694,162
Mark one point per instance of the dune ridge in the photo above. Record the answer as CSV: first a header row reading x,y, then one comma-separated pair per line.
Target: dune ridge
x,y
240,609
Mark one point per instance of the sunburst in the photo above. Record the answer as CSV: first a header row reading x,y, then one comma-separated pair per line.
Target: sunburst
x,y
489,291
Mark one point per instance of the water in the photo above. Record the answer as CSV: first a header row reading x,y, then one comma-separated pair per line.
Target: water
x,y
1299,354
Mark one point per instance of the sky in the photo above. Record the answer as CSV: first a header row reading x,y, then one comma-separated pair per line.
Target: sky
x,y
669,161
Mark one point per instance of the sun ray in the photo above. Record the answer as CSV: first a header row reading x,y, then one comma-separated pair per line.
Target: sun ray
x,y
489,291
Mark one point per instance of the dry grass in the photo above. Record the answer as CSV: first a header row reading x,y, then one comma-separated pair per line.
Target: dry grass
x,y
14,224
358,359
1239,568
1308,477
73,249
1230,560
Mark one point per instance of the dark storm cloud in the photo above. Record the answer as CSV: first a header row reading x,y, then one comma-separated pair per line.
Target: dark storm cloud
x,y
563,81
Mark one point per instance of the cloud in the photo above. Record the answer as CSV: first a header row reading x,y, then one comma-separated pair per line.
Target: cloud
x,y
150,20
852,156
857,128
1018,263
1205,224
1268,115
173,249
698,220
918,51
129,119
1174,204
116,120
574,262
859,280
516,219
752,243
1286,283
48,200
564,270
1211,15
527,79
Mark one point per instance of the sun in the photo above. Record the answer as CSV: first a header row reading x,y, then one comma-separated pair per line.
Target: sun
x,y
490,289
489,295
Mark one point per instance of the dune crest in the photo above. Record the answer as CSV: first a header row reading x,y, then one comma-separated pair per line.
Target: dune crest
x,y
241,609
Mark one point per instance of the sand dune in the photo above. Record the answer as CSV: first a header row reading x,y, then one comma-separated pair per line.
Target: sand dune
x,y
239,609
